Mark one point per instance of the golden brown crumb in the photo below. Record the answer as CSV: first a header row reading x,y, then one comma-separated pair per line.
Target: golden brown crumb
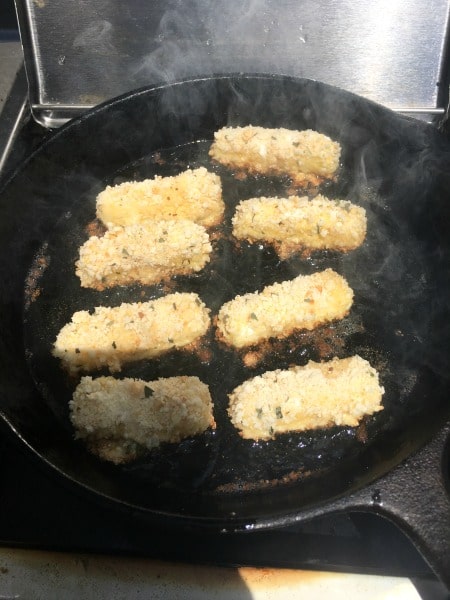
x,y
337,392
111,337
302,303
120,418
194,194
146,253
307,157
298,223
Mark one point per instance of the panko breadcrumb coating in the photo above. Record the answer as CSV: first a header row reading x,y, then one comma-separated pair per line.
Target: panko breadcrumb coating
x,y
307,157
146,253
279,309
337,392
194,194
119,419
297,223
111,337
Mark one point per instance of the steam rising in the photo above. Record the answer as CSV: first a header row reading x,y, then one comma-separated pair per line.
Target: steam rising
x,y
199,38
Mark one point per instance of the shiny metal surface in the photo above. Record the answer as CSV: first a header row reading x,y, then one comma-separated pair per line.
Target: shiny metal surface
x,y
12,113
11,59
13,96
80,53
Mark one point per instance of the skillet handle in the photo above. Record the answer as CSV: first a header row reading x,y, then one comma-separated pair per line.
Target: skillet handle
x,y
415,497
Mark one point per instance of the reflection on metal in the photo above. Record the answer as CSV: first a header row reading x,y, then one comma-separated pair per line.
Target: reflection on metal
x,y
12,116
54,116
79,54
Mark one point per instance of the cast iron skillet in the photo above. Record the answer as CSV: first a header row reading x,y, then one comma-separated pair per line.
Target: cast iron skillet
x,y
397,168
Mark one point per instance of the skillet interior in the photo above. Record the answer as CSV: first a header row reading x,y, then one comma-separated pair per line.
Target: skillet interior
x,y
393,167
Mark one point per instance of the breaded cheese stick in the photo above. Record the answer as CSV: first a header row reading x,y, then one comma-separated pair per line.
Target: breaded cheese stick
x,y
337,392
146,253
298,223
113,336
194,194
305,156
118,419
279,309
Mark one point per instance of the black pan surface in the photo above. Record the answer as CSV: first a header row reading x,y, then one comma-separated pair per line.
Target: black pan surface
x,y
395,167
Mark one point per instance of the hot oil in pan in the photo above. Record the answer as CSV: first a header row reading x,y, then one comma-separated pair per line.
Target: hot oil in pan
x,y
220,460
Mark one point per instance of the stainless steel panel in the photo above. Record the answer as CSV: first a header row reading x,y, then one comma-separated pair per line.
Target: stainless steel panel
x,y
12,96
80,53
